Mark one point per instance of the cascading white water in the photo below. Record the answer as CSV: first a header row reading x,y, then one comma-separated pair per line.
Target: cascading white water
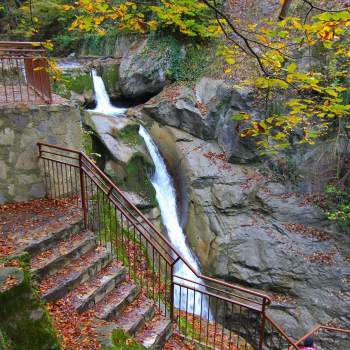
x,y
103,103
166,198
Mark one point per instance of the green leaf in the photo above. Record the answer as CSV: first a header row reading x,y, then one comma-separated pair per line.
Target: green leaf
x,y
292,67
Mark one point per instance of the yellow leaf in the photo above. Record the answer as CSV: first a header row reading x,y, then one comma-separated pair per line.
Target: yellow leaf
x,y
228,70
260,37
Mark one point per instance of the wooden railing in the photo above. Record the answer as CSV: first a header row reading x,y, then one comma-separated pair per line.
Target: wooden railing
x,y
24,75
210,312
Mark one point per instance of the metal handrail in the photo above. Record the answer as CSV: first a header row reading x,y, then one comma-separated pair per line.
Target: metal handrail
x,y
260,331
333,346
173,249
24,73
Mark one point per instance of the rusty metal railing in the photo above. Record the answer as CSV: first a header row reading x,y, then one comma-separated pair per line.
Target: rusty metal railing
x,y
328,338
207,311
24,76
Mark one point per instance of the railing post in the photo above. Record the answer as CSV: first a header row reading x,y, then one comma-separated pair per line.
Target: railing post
x,y
262,331
82,188
172,294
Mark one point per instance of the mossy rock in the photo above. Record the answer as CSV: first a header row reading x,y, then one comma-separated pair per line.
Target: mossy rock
x,y
24,319
138,178
130,134
123,341
3,344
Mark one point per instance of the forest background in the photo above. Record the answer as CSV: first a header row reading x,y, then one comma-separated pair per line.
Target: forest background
x,y
295,49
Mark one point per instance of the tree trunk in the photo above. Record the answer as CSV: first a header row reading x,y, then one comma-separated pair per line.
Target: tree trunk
x,y
284,10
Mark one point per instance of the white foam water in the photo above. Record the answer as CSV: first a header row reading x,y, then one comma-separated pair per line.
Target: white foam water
x,y
103,103
165,193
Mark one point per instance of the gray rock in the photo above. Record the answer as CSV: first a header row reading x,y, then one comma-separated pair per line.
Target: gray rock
x,y
206,112
237,225
142,77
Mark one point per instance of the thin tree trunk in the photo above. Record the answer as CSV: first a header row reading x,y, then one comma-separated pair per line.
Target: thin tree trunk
x,y
284,10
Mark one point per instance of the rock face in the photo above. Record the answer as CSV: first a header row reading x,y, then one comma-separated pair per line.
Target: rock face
x,y
125,156
23,318
142,77
205,113
21,174
250,231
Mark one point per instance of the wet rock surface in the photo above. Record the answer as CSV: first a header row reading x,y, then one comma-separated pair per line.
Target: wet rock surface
x,y
249,230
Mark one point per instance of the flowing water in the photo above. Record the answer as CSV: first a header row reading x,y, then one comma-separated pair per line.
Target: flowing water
x,y
166,198
103,103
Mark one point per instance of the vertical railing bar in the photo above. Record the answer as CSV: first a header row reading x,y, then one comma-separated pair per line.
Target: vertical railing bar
x,y
194,303
232,307
159,279
271,340
71,183
153,272
239,325
82,190
4,77
93,199
19,80
180,303
223,325
104,217
76,185
208,321
256,329
67,183
142,254
186,310
247,332
200,318
99,215
128,231
49,187
147,279
216,319
135,261
172,294
11,78
116,232
122,232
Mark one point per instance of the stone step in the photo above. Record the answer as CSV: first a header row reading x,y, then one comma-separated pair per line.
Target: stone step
x,y
156,332
69,278
49,235
115,302
95,289
136,315
51,261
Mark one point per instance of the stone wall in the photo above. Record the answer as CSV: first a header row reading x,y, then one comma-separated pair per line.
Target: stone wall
x,y
21,172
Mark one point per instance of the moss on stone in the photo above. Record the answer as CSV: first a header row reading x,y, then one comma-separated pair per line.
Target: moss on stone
x,y
3,344
121,340
24,319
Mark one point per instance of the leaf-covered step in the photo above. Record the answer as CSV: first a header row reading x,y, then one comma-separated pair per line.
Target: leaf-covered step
x,y
136,315
156,333
67,279
115,302
95,289
51,261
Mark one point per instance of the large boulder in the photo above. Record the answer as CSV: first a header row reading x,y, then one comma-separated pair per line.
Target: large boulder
x,y
205,112
125,157
247,230
24,320
142,76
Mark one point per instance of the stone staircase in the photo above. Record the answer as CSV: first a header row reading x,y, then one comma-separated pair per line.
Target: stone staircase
x,y
70,265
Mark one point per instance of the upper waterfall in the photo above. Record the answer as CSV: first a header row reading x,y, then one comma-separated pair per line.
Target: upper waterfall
x,y
103,103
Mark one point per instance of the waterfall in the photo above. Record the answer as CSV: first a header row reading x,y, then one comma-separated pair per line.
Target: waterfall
x,y
102,99
165,194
